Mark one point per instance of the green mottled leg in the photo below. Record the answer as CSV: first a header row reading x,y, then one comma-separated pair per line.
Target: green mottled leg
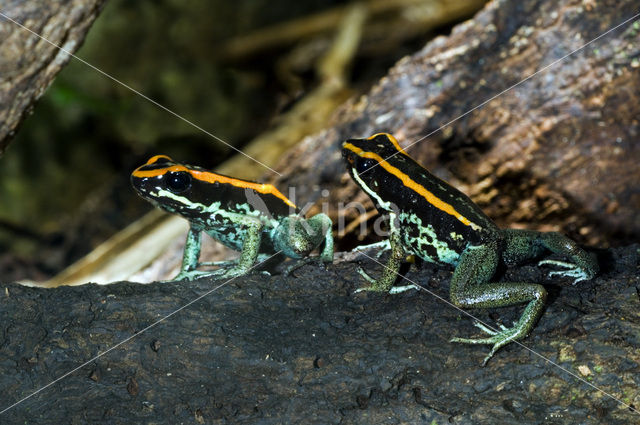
x,y
250,248
390,272
322,225
297,238
190,256
469,289
526,244
583,265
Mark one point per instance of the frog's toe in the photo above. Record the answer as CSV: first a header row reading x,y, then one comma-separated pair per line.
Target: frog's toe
x,y
231,273
404,288
377,288
366,289
488,330
366,277
380,246
498,338
374,285
190,275
571,270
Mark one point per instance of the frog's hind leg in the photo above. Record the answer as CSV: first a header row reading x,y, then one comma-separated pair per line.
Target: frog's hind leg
x,y
322,225
470,288
528,244
297,237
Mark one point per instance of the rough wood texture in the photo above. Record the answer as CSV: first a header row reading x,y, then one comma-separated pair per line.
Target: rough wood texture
x,y
558,152
29,64
305,349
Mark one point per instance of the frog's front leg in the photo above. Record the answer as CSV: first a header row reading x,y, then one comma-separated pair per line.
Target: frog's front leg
x,y
322,225
525,244
250,248
390,272
470,289
191,255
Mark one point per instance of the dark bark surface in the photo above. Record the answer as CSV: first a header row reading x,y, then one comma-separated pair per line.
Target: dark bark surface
x,y
305,349
29,64
558,152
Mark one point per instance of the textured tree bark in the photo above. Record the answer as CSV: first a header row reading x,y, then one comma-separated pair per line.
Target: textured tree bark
x,y
557,152
29,64
306,349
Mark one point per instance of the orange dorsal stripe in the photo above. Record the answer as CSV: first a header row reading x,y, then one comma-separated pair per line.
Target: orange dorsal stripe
x,y
408,182
209,177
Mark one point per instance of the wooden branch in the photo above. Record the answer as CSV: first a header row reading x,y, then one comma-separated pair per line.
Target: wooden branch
x,y
29,64
307,350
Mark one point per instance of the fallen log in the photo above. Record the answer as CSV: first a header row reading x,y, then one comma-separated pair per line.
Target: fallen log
x,y
306,349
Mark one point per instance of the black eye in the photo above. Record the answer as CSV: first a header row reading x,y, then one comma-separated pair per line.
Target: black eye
x,y
364,164
178,182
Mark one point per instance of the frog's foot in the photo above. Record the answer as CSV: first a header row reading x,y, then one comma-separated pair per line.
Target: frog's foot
x,y
404,288
221,273
375,287
572,270
231,272
381,246
190,275
221,264
499,338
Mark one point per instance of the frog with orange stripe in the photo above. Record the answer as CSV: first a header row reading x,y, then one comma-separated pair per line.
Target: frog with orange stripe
x,y
432,220
256,219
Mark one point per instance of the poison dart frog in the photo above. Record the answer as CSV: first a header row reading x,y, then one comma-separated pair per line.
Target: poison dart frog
x,y
245,216
430,219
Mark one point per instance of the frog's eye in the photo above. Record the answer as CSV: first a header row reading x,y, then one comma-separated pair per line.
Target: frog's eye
x,y
178,181
365,164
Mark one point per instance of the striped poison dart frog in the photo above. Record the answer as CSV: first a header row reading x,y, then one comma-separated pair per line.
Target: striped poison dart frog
x,y
256,219
432,220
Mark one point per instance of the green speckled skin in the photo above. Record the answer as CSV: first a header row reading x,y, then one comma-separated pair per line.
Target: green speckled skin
x,y
245,216
438,223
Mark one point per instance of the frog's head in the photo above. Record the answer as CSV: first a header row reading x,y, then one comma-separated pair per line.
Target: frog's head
x,y
166,184
364,157
195,193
